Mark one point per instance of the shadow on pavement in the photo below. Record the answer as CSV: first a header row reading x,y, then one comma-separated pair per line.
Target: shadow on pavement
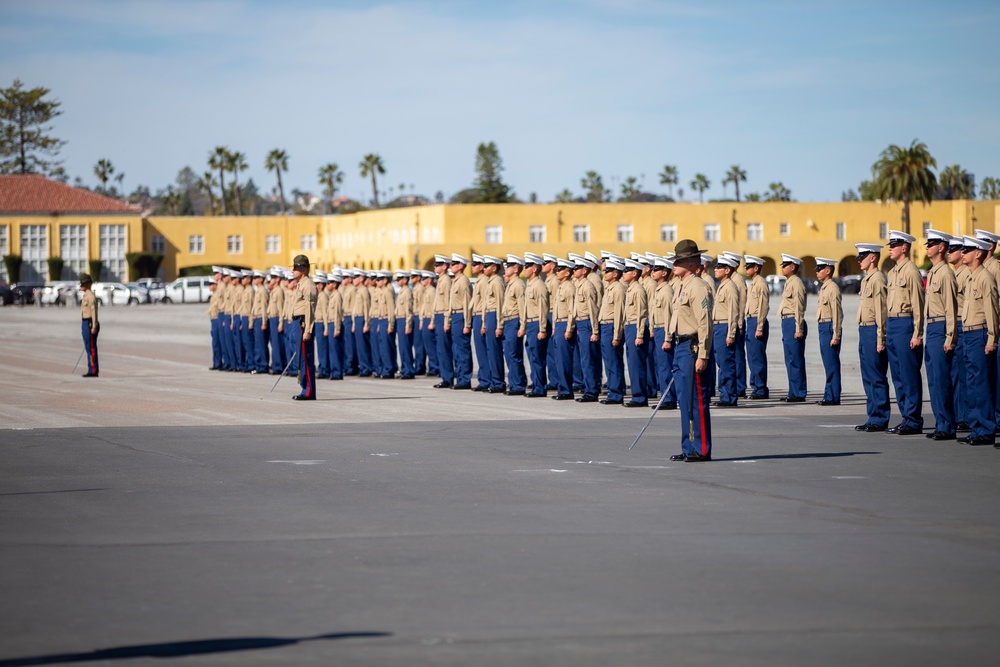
x,y
182,649
765,457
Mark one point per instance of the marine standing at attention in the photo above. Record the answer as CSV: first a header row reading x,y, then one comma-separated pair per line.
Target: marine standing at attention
x,y
691,331
89,325
213,316
612,321
441,326
905,333
303,313
726,318
636,317
512,315
829,325
757,328
535,325
564,331
979,333
460,322
794,329
956,258
941,314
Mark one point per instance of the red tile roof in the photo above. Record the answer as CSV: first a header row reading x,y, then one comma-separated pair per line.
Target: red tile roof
x,y
34,193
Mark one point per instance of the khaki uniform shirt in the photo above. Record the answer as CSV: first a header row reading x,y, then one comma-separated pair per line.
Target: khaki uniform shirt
x,y
322,302
220,296
710,282
941,300
659,307
648,284
536,305
492,298
636,308
442,296
871,306
427,304
830,307
595,278
961,275
552,284
404,305
213,305
613,309
335,312
905,295
477,295
246,301
418,298
562,309
362,304
587,305
793,301
304,303
758,301
726,309
461,299
692,313
347,292
275,302
741,287
231,298
981,303
513,302
993,266
259,308
88,308
286,314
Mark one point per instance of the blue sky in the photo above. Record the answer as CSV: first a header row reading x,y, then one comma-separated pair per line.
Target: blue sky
x,y
806,93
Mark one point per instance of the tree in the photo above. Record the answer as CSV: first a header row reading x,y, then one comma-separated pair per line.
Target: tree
x,y
630,189
990,188
955,183
668,177
904,175
866,191
699,185
849,195
371,165
236,162
103,170
754,197
205,183
219,159
25,144
735,175
565,196
491,187
277,161
593,185
330,176
778,192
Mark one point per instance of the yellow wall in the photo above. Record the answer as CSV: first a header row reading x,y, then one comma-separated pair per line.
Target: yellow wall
x,y
406,237
132,222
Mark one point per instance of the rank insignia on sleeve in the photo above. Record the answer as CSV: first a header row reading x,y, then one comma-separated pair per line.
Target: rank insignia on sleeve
x,y
704,302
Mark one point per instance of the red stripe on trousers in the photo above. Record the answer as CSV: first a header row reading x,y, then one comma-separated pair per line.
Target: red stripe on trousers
x,y
701,413
305,366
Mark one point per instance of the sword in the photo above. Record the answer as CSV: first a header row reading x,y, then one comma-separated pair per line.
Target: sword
x,y
287,366
658,404
78,360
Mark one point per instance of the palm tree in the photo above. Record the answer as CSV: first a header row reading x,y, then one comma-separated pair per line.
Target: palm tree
x,y
699,185
668,177
330,176
206,182
630,189
218,159
778,192
990,188
103,170
735,175
237,162
904,174
955,183
277,161
371,165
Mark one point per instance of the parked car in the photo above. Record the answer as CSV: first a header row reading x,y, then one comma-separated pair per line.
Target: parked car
x,y
190,289
58,293
775,284
6,296
155,289
849,284
114,294
140,291
24,293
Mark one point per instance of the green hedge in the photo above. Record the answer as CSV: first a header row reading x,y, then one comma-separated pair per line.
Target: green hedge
x,y
13,264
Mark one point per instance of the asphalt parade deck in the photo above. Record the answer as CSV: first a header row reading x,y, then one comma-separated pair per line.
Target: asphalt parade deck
x,y
163,512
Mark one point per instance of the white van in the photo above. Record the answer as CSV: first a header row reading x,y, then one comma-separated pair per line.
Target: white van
x,y
192,289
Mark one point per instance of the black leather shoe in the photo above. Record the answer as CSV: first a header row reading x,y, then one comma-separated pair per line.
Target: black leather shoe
x,y
587,399
677,457
462,386
404,377
669,405
981,440
480,388
904,430
759,397
510,392
89,375
939,435
697,458
861,427
633,404
608,401
720,404
964,440
794,399
442,385
496,390
300,397
534,395
962,426
875,428
562,397
825,402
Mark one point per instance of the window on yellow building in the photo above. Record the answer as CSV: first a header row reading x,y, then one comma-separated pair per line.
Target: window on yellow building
x,y
536,234
494,234
712,231
157,243
841,231
272,244
73,249
927,226
883,230
113,242
668,233
4,251
783,229
307,241
581,233
35,253
755,231
234,244
196,244
625,234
